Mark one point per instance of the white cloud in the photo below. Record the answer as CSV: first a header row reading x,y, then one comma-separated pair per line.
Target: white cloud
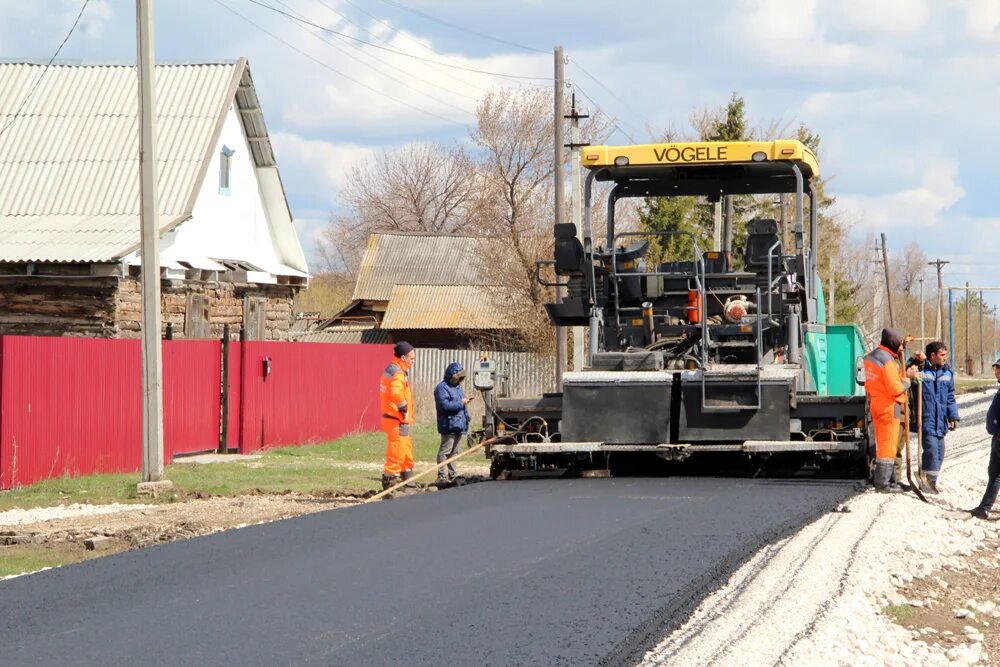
x,y
886,17
793,38
95,18
982,19
918,207
320,166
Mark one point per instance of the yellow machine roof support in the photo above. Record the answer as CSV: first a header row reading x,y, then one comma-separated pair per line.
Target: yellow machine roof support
x,y
702,153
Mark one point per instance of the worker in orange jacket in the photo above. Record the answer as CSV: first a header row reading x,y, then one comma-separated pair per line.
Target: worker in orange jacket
x,y
886,388
396,398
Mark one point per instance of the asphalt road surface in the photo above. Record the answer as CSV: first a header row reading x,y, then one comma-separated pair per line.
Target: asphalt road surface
x,y
541,572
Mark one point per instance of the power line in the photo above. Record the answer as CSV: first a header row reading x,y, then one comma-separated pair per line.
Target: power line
x,y
605,87
405,35
463,28
362,50
614,121
333,69
379,71
259,3
41,76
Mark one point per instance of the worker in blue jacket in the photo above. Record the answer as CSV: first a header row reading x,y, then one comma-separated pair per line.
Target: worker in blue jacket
x,y
452,418
940,411
982,511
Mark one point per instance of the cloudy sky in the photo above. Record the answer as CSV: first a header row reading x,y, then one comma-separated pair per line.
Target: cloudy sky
x,y
905,93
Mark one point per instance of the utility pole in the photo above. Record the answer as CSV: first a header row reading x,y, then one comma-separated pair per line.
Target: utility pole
x,y
149,223
993,355
877,323
888,283
939,264
717,225
982,357
727,230
576,199
968,348
560,182
922,332
782,219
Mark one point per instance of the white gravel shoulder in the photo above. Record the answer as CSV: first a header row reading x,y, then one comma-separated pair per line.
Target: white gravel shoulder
x,y
815,598
20,517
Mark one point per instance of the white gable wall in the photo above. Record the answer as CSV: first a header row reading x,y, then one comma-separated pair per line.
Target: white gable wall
x,y
233,226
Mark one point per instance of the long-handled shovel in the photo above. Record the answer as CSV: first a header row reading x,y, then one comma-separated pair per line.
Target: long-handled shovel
x,y
906,425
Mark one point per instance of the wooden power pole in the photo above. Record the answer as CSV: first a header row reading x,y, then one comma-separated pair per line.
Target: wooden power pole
x,y
888,282
939,264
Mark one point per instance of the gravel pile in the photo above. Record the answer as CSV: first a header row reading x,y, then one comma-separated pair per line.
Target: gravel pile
x,y
816,598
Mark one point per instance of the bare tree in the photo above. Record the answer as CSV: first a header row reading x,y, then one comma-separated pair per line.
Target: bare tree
x,y
421,187
908,267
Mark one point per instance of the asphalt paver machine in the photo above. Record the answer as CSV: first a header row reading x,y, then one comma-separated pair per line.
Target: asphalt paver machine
x,y
692,359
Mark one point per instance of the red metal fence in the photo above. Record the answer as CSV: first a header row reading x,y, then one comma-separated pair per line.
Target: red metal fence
x,y
311,392
72,406
192,372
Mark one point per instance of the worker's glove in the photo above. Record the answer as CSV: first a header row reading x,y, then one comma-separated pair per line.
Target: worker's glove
x,y
403,407
953,424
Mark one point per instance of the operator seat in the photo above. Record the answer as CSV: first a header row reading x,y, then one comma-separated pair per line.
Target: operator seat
x,y
762,234
568,250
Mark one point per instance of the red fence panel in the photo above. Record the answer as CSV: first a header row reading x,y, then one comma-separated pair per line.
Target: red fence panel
x,y
235,396
69,406
314,391
192,373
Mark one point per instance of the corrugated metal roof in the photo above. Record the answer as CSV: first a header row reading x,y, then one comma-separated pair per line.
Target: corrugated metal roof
x,y
449,307
344,335
393,258
69,171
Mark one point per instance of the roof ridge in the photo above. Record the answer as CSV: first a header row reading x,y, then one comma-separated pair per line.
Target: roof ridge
x,y
112,62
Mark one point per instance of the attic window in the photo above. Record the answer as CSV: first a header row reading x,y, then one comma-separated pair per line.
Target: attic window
x,y
225,169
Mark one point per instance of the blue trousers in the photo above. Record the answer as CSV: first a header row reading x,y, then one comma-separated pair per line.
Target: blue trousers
x,y
933,453
993,485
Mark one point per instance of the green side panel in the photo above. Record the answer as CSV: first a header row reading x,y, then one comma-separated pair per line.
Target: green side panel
x,y
844,347
816,359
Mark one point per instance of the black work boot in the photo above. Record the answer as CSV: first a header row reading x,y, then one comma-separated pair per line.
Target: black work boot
x,y
406,475
389,481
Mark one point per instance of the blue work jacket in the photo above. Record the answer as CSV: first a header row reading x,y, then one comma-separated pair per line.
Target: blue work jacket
x,y
452,415
939,406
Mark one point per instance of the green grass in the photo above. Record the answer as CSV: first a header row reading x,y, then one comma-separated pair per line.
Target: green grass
x,y
311,469
972,384
29,558
900,613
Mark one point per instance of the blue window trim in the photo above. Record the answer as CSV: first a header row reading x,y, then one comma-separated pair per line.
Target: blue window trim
x,y
226,170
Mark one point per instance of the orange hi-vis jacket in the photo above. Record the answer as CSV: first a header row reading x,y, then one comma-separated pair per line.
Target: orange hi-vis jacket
x,y
886,392
395,392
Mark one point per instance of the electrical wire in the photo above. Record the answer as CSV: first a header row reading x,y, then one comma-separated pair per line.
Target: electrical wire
x,y
333,69
600,83
379,71
45,70
463,28
385,40
614,121
272,8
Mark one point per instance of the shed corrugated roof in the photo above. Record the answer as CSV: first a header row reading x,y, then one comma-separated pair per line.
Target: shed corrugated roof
x,y
393,258
344,335
69,171
468,307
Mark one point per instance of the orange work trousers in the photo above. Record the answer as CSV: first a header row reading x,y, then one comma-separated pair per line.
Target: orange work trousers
x,y
398,449
886,436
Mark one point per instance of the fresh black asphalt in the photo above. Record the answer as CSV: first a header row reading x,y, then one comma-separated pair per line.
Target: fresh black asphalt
x,y
540,572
